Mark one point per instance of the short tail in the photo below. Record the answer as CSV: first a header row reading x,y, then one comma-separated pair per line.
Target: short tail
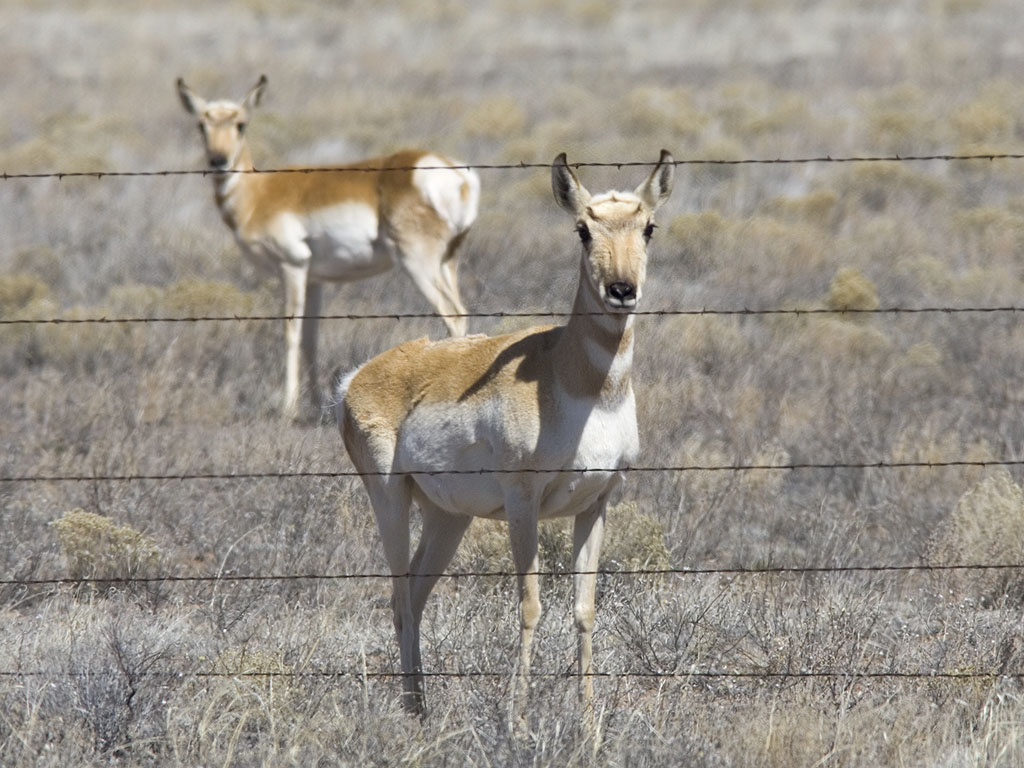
x,y
338,391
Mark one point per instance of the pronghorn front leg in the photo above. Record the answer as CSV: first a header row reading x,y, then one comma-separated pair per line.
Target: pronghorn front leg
x,y
521,508
587,535
294,277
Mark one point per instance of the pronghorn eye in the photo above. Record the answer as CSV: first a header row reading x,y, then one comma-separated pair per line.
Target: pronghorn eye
x,y
649,230
241,128
583,232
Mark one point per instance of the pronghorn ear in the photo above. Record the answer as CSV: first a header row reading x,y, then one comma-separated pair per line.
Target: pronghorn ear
x,y
253,98
192,102
569,193
658,186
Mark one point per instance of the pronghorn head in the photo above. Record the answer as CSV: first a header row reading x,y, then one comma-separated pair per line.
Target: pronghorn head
x,y
222,122
614,228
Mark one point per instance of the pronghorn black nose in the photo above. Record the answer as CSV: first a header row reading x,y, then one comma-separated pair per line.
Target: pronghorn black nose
x,y
621,291
218,161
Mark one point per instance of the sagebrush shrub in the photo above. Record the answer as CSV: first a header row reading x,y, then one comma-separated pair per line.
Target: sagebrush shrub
x,y
850,289
634,540
985,528
18,290
495,117
98,548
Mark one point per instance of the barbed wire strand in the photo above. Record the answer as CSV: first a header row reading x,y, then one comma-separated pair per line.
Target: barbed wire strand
x,y
1011,309
180,476
568,675
783,570
522,165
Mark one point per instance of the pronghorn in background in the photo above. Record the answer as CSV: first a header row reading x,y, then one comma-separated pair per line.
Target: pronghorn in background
x,y
337,225
547,398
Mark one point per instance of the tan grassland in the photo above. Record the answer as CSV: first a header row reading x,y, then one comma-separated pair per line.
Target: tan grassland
x,y
159,672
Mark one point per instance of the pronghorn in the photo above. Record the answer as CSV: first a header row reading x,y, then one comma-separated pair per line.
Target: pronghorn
x,y
556,398
339,225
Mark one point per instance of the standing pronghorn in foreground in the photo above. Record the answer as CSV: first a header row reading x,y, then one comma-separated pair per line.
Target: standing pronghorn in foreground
x,y
337,225
547,398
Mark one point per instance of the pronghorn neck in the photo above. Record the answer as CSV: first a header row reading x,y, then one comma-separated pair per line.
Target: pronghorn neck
x,y
594,356
228,187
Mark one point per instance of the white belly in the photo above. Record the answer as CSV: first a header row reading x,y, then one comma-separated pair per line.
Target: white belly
x,y
339,243
343,242
599,441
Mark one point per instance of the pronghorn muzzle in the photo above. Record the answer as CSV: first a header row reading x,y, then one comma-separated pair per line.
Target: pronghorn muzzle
x,y
218,161
621,294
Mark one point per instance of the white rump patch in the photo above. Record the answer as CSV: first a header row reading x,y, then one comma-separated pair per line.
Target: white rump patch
x,y
454,194
341,389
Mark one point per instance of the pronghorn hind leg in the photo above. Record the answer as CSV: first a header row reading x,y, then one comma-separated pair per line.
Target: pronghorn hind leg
x,y
439,540
450,272
310,327
423,258
442,533
391,499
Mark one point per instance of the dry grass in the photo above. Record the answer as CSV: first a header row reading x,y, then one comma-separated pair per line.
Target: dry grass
x,y
121,672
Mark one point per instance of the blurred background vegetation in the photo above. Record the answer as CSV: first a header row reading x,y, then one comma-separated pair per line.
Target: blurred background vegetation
x,y
89,87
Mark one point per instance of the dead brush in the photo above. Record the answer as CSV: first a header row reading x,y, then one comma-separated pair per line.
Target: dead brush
x,y
985,528
106,554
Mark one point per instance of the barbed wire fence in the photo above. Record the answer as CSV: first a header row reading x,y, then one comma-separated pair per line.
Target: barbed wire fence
x,y
769,571
522,165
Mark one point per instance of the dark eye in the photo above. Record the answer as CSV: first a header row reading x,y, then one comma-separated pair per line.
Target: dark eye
x,y
583,232
241,128
649,231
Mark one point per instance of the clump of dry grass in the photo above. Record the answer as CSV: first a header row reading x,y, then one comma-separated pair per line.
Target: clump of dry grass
x,y
634,540
195,296
884,186
495,117
95,547
985,528
699,236
20,290
668,115
849,289
818,207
